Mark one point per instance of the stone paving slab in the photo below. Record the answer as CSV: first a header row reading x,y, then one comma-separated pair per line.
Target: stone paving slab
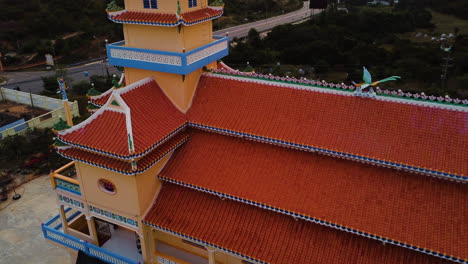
x,y
21,239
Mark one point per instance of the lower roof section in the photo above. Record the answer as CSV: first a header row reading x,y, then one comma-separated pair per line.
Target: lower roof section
x,y
122,166
263,235
410,210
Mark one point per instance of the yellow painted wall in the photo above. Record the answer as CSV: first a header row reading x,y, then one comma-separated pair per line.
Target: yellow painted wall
x,y
148,185
177,242
220,257
197,35
164,6
154,38
168,38
124,202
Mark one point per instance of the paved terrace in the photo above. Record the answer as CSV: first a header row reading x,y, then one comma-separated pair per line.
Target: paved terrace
x,y
21,239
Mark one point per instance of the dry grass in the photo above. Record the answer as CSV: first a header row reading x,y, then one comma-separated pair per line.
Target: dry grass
x,y
446,23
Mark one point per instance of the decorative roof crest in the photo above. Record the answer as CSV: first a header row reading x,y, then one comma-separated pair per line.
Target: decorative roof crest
x,y
368,84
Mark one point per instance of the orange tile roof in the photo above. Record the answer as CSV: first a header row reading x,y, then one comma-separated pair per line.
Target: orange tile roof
x,y
201,14
100,100
416,210
164,19
106,132
122,166
152,123
143,17
264,235
95,159
415,136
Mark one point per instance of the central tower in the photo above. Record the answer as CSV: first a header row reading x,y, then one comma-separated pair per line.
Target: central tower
x,y
171,41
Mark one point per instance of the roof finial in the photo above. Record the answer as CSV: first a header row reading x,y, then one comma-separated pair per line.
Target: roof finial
x,y
367,78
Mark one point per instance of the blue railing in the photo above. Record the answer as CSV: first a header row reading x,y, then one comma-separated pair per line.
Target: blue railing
x,y
51,231
165,61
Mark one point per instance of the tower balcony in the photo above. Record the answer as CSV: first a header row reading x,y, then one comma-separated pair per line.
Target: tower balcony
x,y
164,61
65,179
112,246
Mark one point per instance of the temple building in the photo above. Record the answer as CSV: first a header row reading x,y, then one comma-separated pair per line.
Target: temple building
x,y
186,160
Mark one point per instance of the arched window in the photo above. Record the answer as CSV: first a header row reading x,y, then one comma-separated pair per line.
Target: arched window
x,y
153,4
192,3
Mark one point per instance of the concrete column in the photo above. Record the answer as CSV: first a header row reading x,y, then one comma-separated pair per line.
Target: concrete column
x,y
63,218
145,249
92,230
211,255
154,241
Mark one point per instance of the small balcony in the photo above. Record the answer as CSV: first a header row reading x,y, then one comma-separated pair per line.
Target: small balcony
x,y
170,62
66,179
112,242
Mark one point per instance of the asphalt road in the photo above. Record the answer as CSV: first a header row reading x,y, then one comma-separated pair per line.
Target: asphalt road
x,y
31,81
267,24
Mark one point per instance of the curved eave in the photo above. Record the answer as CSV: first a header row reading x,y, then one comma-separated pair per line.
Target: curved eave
x,y
95,164
127,172
128,157
319,221
162,24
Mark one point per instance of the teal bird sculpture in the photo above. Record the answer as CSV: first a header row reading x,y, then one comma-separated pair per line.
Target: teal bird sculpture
x,y
367,78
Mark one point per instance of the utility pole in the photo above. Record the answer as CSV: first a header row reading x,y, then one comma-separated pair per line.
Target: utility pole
x,y
447,62
1,65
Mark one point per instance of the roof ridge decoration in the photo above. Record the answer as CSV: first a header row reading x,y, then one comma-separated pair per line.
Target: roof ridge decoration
x,y
95,97
115,95
368,83
317,221
165,19
338,154
343,89
128,121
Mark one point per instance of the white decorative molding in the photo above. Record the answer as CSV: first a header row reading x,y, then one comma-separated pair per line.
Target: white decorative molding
x,y
145,56
199,55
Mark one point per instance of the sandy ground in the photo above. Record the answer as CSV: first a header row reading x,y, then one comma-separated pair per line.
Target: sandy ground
x,y
21,239
18,109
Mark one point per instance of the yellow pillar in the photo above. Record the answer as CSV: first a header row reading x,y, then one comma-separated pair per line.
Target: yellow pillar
x,y
68,114
211,255
153,243
63,218
92,230
145,248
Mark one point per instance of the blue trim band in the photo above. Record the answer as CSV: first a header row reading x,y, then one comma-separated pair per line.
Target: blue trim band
x,y
182,69
68,190
74,243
